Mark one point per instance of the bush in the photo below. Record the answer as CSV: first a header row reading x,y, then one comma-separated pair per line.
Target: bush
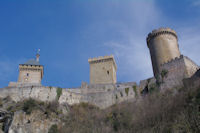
x,y
29,106
155,113
53,129
52,107
59,92
164,73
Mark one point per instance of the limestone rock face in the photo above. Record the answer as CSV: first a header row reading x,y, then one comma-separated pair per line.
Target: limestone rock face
x,y
36,122
21,93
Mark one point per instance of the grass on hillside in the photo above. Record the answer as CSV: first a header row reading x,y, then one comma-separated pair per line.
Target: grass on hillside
x,y
157,113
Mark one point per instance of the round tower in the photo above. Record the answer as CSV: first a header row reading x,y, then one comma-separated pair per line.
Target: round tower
x,y
163,46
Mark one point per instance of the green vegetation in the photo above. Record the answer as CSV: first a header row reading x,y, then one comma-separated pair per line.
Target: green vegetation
x,y
135,90
53,129
164,73
127,91
158,81
29,106
59,92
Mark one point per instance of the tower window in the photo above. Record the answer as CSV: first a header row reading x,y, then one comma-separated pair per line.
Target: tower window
x,y
108,72
27,74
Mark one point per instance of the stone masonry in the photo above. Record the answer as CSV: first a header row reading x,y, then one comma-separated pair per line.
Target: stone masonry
x,y
103,70
163,46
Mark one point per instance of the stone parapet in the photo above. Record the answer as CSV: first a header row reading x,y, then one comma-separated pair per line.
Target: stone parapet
x,y
160,31
173,60
103,59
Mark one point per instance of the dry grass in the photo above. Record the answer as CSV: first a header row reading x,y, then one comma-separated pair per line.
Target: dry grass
x,y
157,113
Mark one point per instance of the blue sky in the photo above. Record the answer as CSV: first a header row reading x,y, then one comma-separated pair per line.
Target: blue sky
x,y
68,32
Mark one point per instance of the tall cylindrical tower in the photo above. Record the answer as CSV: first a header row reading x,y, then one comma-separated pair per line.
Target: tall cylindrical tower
x,y
163,46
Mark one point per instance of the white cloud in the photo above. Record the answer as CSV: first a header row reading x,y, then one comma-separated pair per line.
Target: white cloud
x,y
196,3
131,52
189,41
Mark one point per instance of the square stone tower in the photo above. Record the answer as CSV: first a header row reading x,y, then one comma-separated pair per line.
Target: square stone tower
x,y
31,71
103,70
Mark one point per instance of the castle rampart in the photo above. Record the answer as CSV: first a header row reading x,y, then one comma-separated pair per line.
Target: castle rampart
x,y
177,70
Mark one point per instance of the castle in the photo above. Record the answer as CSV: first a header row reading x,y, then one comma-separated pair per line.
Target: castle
x,y
169,66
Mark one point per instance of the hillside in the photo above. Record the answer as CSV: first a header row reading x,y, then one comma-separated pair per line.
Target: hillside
x,y
174,111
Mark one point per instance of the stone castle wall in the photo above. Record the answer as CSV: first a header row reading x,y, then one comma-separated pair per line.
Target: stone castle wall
x,y
104,95
177,70
102,98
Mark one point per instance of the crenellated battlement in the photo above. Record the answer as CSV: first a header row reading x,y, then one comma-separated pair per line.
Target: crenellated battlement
x,y
164,48
173,60
103,59
160,31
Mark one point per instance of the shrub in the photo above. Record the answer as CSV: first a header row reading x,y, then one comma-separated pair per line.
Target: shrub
x,y
59,92
127,91
155,113
52,107
164,73
29,105
53,129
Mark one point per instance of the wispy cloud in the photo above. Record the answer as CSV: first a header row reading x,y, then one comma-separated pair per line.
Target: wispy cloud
x,y
189,41
131,52
130,49
196,3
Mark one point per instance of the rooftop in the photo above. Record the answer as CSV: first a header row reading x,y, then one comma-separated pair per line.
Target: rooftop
x,y
32,62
